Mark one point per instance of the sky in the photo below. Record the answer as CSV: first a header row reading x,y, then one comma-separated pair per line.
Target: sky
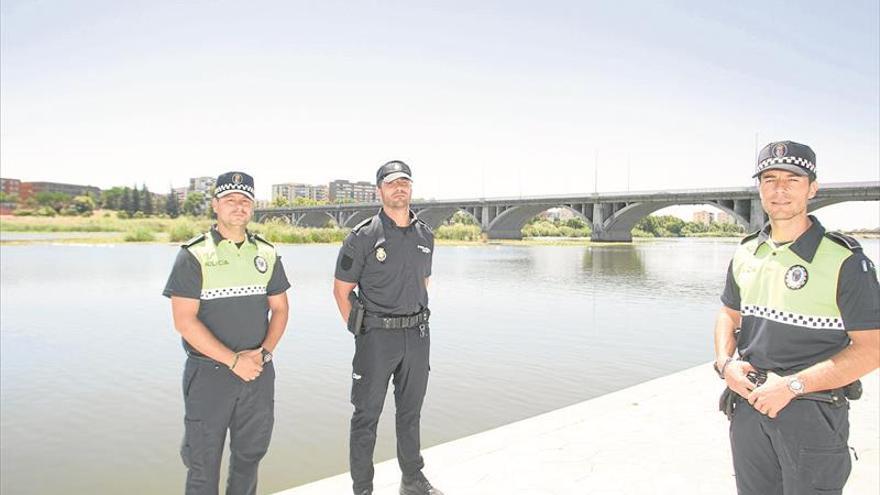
x,y
482,99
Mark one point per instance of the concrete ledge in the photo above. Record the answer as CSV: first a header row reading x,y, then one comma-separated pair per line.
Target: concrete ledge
x,y
664,436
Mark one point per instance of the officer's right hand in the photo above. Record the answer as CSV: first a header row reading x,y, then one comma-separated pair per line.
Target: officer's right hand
x,y
246,368
735,376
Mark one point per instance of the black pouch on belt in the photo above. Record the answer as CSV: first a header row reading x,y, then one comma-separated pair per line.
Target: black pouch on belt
x,y
726,402
853,391
356,315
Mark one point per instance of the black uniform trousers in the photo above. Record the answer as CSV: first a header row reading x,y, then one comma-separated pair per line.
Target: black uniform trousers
x,y
803,451
379,355
217,400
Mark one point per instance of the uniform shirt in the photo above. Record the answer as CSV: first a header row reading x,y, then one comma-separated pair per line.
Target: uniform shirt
x,y
389,264
239,317
799,300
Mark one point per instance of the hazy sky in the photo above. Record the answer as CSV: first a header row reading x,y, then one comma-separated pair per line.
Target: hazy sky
x,y
480,98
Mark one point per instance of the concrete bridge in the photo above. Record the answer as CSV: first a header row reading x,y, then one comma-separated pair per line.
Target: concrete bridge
x,y
611,216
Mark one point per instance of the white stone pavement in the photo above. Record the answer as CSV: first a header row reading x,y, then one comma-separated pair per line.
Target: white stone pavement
x,y
664,436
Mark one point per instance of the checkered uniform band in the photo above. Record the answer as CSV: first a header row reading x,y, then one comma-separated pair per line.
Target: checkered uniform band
x,y
229,188
790,160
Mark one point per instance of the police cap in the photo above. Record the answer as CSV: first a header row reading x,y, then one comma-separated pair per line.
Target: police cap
x,y
787,155
393,170
234,182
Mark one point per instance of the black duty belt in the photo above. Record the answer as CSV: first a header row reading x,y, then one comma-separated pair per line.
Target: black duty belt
x,y
392,322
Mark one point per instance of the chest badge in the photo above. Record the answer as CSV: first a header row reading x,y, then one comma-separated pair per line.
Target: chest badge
x,y
796,277
261,264
381,255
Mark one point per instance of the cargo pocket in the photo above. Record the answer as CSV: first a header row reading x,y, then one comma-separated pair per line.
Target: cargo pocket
x,y
827,468
192,449
189,375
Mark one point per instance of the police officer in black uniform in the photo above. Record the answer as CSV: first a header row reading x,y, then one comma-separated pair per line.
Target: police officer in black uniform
x,y
388,258
800,323
223,287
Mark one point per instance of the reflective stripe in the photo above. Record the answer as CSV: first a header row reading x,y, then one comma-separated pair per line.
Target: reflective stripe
x,y
798,320
245,290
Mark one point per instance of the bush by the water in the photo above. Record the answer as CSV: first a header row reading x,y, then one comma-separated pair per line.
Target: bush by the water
x,y
459,232
140,234
286,233
543,228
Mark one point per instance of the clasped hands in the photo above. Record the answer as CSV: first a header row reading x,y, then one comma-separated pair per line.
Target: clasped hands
x,y
249,364
769,398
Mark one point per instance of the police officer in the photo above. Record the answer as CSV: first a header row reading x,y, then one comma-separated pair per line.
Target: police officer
x,y
223,286
388,258
807,303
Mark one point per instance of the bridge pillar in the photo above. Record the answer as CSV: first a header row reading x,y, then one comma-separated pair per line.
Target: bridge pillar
x,y
601,211
757,217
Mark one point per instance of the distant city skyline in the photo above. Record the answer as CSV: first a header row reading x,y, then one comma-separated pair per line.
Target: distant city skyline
x,y
493,99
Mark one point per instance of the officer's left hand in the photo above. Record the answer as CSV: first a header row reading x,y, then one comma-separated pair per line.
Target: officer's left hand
x,y
772,396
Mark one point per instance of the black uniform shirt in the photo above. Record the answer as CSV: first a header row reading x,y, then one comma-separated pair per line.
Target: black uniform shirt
x,y
389,264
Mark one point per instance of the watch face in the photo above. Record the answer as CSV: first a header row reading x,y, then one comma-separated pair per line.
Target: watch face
x,y
796,386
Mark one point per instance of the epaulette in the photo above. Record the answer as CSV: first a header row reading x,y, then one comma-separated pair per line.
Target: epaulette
x,y
844,240
192,242
264,241
750,237
357,228
424,224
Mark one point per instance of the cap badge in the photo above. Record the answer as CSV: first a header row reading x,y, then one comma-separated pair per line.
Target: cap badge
x,y
796,277
381,255
260,264
780,150
236,179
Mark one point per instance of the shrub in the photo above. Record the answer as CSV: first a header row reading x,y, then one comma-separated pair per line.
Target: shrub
x,y
22,212
122,214
182,231
459,232
140,234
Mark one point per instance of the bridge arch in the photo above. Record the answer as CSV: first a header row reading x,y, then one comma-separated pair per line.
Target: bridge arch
x,y
437,216
316,219
619,226
510,222
274,217
357,217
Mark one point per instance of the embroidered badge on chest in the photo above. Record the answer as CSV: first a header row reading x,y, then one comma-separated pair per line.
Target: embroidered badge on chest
x,y
381,255
796,277
261,264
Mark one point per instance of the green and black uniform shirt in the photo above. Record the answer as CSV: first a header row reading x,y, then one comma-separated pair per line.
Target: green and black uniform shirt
x,y
799,300
232,283
389,264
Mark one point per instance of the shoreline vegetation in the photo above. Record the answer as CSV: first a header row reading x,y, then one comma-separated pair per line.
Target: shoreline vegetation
x,y
461,229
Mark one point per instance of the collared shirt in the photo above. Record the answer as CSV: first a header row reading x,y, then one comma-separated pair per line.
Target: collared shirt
x,y
798,300
389,264
234,294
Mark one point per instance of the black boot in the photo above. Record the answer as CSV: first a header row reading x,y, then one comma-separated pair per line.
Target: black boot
x,y
417,484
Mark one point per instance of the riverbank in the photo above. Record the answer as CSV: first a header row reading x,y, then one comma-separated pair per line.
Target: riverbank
x,y
664,436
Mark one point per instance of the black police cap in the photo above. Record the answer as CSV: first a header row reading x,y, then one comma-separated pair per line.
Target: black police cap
x,y
393,170
787,155
234,182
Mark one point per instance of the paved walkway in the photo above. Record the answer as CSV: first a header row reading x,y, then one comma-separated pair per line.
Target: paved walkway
x,y
664,436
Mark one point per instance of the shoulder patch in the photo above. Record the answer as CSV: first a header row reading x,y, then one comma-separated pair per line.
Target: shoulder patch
x,y
750,237
844,240
192,242
263,240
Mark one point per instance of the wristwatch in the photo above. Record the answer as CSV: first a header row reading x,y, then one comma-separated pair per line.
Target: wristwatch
x,y
796,386
267,356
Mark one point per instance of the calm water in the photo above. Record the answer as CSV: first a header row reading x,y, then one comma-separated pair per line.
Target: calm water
x,y
91,365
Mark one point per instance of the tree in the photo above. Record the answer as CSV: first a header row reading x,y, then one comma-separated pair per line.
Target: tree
x,y
280,202
194,204
135,200
54,200
147,201
83,205
111,199
125,201
172,207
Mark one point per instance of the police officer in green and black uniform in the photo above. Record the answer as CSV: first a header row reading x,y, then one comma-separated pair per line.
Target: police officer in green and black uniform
x,y
223,287
807,303
388,258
